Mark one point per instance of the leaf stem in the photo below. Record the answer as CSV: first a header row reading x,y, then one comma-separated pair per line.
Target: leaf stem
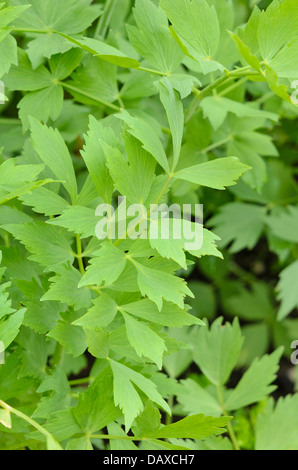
x,y
224,79
79,254
29,420
229,426
214,146
9,121
67,86
156,72
105,19
232,87
171,404
83,381
29,30
126,438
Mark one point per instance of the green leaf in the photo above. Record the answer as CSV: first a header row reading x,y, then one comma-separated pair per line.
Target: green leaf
x,y
42,105
255,384
284,224
217,108
193,427
134,180
239,223
5,302
148,422
100,315
272,419
93,82
63,426
120,444
22,191
96,408
184,83
196,399
106,265
62,65
283,62
95,160
287,290
217,174
14,176
64,288
8,54
7,15
40,316
170,315
223,343
196,28
98,343
244,150
127,397
249,33
277,26
46,243
144,340
44,201
77,219
209,246
142,166
244,50
53,152
251,304
71,337
174,110
147,135
81,443
278,88
104,51
46,16
59,396
9,329
158,285
24,77
169,240
152,39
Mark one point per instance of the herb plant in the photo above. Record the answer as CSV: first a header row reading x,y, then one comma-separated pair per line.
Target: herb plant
x,y
131,344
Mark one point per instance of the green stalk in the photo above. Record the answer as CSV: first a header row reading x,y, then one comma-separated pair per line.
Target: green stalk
x,y
223,80
9,121
105,19
67,86
214,146
29,420
85,381
29,30
80,254
126,438
229,426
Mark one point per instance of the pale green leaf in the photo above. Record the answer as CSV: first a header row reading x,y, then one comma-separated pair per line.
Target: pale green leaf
x,y
217,350
217,174
148,136
255,385
54,153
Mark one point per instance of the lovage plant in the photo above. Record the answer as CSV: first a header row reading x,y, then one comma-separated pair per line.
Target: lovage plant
x,y
114,335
